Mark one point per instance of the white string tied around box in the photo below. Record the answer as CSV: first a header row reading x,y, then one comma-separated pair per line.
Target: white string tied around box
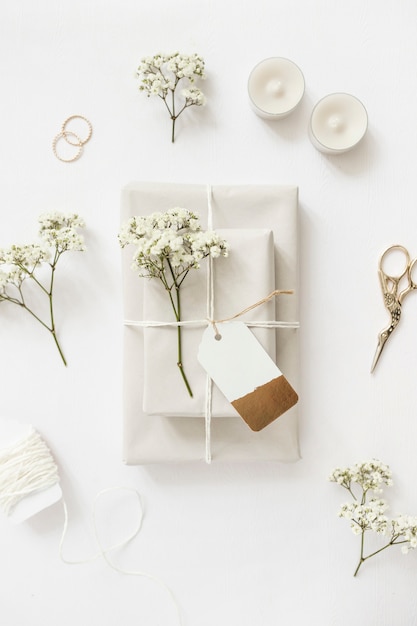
x,y
209,320
28,467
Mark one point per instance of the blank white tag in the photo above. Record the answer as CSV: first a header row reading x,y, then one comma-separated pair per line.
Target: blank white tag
x,y
245,373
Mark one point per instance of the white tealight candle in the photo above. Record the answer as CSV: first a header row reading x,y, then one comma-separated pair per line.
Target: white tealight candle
x,y
275,87
338,123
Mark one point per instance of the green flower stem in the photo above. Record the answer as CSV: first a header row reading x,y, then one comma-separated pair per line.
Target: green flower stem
x,y
171,113
173,116
177,312
179,363
49,293
59,348
173,129
51,309
363,558
51,329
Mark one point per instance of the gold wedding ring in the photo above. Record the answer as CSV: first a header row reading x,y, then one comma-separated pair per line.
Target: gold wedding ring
x,y
64,135
72,138
65,131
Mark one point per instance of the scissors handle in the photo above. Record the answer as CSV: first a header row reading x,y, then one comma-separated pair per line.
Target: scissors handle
x,y
411,284
394,278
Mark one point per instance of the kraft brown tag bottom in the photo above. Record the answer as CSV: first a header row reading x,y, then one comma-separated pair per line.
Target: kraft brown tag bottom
x,y
267,402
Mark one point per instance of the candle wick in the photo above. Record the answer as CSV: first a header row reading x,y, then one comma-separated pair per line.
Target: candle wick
x,y
336,123
275,87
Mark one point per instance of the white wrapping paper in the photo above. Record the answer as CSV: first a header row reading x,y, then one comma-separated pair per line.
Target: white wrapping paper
x,y
158,438
246,276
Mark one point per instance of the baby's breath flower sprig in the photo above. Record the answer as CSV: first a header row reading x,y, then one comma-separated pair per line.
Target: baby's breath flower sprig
x,y
161,74
168,245
24,265
367,512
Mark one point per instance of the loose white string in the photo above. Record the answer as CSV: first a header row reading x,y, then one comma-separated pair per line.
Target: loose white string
x,y
102,552
28,467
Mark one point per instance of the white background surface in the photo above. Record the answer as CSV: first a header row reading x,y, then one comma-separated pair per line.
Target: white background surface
x,y
238,545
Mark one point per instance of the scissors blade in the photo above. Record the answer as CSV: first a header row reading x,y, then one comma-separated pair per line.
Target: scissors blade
x,y
378,352
382,340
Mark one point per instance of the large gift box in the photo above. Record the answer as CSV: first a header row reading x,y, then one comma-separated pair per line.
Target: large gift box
x,y
161,422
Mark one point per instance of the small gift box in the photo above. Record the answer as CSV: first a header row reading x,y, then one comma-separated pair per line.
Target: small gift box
x,y
161,422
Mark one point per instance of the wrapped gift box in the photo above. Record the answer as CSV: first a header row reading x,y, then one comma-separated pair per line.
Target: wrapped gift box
x,y
161,422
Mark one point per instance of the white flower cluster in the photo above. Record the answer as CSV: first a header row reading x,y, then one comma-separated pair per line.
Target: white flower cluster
x,y
18,262
193,95
59,230
57,233
370,475
160,73
174,238
160,76
405,526
368,516
28,254
185,65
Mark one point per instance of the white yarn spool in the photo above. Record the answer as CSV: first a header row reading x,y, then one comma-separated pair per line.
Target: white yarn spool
x,y
29,479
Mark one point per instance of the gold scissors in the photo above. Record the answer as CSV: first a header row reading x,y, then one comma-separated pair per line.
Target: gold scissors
x,y
393,297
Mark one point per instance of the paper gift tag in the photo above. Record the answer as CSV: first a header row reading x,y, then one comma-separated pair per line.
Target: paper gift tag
x,y
245,373
11,433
